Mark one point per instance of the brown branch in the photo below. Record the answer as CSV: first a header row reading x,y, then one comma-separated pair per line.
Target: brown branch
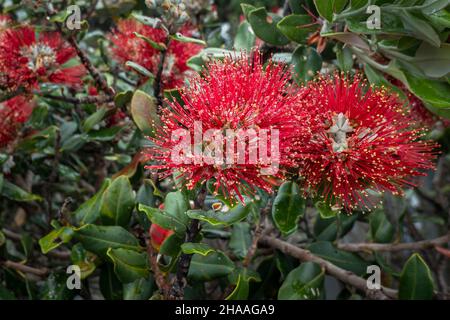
x,y
177,290
100,81
160,279
84,100
343,275
258,232
419,245
41,272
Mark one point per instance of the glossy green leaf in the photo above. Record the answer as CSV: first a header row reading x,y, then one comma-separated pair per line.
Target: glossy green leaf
x,y
89,211
110,286
245,37
99,239
13,192
241,239
242,288
416,281
307,62
94,119
55,238
140,69
327,8
196,248
381,230
176,205
434,62
303,283
212,266
141,289
419,28
155,45
144,112
288,207
129,265
343,259
181,38
326,229
297,27
164,220
118,203
265,27
235,214
84,259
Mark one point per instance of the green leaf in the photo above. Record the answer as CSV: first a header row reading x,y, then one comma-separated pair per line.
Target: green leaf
x,y
327,8
110,286
381,230
416,282
2,238
242,287
241,239
155,45
118,202
74,143
265,27
179,37
55,288
99,239
139,69
148,21
303,283
176,205
326,229
288,207
123,98
419,28
212,266
55,238
94,119
246,9
129,265
235,214
164,220
196,248
84,259
325,210
141,289
245,37
434,92
434,62
307,62
89,211
13,192
344,58
343,259
144,112
297,27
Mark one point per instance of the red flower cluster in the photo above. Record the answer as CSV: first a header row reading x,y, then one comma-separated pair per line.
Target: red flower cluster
x,y
27,60
342,137
229,96
128,47
359,139
13,113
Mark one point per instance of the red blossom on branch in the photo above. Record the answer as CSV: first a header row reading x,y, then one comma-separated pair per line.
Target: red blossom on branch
x,y
128,47
233,94
13,113
27,59
360,139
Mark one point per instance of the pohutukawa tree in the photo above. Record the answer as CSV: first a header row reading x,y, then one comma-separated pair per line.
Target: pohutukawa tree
x,y
167,151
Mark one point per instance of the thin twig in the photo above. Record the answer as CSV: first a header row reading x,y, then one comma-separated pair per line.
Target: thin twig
x,y
343,275
419,245
160,279
41,272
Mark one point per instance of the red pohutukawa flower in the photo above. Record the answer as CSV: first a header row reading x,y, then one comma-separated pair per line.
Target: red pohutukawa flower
x,y
128,47
234,127
13,113
360,139
27,60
